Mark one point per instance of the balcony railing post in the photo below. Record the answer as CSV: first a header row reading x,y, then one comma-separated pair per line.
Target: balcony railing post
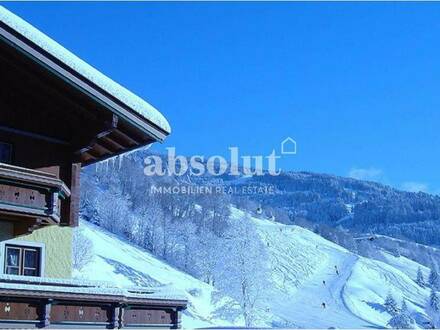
x,y
177,319
44,316
52,203
121,316
113,316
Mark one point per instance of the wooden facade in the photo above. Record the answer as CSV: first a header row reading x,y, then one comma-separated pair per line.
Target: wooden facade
x,y
69,305
53,121
61,314
30,198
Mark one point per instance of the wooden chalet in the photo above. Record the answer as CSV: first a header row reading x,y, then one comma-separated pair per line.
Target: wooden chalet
x,y
58,114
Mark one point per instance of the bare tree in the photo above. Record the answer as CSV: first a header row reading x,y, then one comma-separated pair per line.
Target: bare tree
x,y
82,250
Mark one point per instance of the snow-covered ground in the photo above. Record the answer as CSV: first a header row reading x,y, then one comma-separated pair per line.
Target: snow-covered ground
x,y
118,261
306,271
317,271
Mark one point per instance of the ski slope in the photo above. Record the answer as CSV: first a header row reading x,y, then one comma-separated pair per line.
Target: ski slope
x,y
116,260
303,276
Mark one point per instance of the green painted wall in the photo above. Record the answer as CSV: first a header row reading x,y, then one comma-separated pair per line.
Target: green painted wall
x,y
58,242
58,248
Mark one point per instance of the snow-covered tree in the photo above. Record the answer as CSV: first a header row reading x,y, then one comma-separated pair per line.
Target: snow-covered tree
x,y
420,280
209,254
82,250
186,234
402,319
113,209
434,280
391,305
245,268
152,231
433,309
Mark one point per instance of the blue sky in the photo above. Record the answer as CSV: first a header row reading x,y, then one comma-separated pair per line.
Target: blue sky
x,y
355,84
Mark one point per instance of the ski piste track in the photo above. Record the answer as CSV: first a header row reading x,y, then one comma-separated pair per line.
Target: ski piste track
x,y
311,295
319,296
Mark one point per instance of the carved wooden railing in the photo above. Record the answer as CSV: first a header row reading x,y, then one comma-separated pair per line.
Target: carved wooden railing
x,y
27,194
38,302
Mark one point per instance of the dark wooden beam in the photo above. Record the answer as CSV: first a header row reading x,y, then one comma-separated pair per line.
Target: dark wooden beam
x,y
70,206
85,158
95,153
87,155
105,145
124,137
102,150
89,161
115,144
33,135
99,132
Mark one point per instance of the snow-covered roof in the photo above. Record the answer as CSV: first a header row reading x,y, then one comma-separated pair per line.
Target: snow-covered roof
x,y
70,286
134,102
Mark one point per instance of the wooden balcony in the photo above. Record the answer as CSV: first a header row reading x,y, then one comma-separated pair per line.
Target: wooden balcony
x,y
29,302
30,197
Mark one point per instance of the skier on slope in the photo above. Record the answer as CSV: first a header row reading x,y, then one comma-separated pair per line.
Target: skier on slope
x,y
323,305
337,270
323,282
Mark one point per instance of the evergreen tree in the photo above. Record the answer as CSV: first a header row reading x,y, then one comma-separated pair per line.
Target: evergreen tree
x,y
391,305
434,280
433,309
402,319
434,301
420,278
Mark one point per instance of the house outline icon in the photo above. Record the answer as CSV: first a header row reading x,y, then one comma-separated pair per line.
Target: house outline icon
x,y
288,146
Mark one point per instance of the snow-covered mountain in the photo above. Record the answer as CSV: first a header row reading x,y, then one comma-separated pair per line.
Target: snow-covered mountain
x,y
305,272
356,205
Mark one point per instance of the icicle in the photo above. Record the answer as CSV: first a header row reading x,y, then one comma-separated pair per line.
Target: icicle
x,y
120,159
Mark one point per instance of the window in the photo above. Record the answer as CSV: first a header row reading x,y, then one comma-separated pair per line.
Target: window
x,y
22,260
5,153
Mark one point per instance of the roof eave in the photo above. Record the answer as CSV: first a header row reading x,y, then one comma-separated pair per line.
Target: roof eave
x,y
79,82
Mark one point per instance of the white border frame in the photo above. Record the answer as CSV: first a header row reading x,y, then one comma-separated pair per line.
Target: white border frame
x,y
18,242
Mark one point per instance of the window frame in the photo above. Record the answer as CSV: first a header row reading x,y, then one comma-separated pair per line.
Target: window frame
x,y
6,266
25,268
23,246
